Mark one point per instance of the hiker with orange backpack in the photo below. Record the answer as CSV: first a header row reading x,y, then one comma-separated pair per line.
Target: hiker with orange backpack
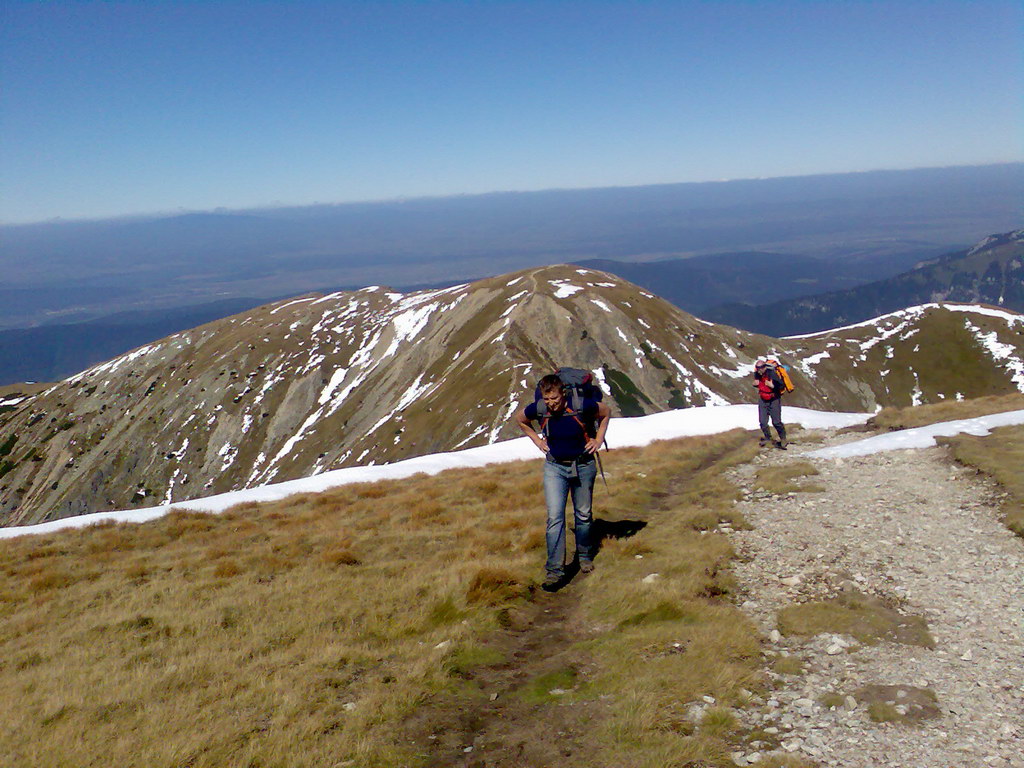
x,y
771,384
573,426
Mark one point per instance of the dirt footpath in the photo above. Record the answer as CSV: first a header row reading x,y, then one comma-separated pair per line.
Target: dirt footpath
x,y
917,535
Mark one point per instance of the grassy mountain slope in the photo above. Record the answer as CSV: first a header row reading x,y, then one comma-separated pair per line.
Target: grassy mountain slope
x,y
315,383
373,624
991,272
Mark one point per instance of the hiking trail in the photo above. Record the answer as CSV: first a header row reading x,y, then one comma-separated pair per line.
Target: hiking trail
x,y
500,727
913,532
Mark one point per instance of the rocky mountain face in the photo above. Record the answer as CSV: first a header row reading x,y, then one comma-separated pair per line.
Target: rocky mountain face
x,y
372,376
992,272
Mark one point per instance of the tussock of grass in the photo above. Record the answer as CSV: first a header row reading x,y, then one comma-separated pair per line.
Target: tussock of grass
x,y
949,410
788,665
302,632
1001,456
493,586
899,704
832,700
779,479
865,618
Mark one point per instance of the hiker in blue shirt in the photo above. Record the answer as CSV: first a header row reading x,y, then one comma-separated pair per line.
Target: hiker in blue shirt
x,y
569,441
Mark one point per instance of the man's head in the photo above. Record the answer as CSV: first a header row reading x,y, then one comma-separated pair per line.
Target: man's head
x,y
551,392
760,366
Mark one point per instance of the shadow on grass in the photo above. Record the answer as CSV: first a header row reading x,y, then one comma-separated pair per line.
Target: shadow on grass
x,y
614,529
599,531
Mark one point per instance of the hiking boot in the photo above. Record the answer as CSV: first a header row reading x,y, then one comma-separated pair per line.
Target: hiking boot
x,y
780,444
586,566
763,442
551,582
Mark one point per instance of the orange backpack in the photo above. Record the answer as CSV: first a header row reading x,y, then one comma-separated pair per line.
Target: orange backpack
x,y
783,372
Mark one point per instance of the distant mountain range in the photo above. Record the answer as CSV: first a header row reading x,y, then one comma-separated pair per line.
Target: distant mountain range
x,y
319,382
67,272
992,272
700,283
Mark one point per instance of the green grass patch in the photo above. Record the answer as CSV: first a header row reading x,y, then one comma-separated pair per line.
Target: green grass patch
x,y
551,687
1001,456
899,704
779,479
467,658
626,393
865,618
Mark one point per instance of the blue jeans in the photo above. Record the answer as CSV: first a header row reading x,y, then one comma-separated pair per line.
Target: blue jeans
x,y
559,483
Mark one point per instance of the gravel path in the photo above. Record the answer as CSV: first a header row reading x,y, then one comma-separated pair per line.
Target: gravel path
x,y
920,533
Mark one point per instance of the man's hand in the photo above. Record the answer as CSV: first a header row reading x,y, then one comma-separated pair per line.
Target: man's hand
x,y
542,444
592,445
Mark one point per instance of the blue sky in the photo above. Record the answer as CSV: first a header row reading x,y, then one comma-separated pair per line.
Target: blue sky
x,y
121,108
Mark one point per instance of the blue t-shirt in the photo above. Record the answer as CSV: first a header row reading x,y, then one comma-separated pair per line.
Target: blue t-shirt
x,y
566,438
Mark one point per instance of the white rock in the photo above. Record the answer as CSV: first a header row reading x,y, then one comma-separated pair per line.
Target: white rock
x,y
651,578
348,706
790,581
834,649
775,636
442,645
968,655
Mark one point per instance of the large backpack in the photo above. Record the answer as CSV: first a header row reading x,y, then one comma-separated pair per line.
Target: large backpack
x,y
783,373
577,384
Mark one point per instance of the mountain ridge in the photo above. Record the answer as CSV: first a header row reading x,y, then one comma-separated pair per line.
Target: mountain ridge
x,y
991,272
319,382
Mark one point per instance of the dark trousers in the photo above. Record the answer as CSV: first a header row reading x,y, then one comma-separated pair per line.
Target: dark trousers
x,y
771,409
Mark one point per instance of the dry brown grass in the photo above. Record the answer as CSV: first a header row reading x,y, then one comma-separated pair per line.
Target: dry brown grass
x,y
950,410
779,479
301,632
1001,456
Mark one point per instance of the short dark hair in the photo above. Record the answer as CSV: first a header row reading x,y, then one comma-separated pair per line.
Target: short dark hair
x,y
550,383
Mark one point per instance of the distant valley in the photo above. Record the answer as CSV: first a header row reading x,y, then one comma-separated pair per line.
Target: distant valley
x,y
75,271
992,272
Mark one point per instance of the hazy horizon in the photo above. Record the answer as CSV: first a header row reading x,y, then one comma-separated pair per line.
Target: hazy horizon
x,y
127,109
284,206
